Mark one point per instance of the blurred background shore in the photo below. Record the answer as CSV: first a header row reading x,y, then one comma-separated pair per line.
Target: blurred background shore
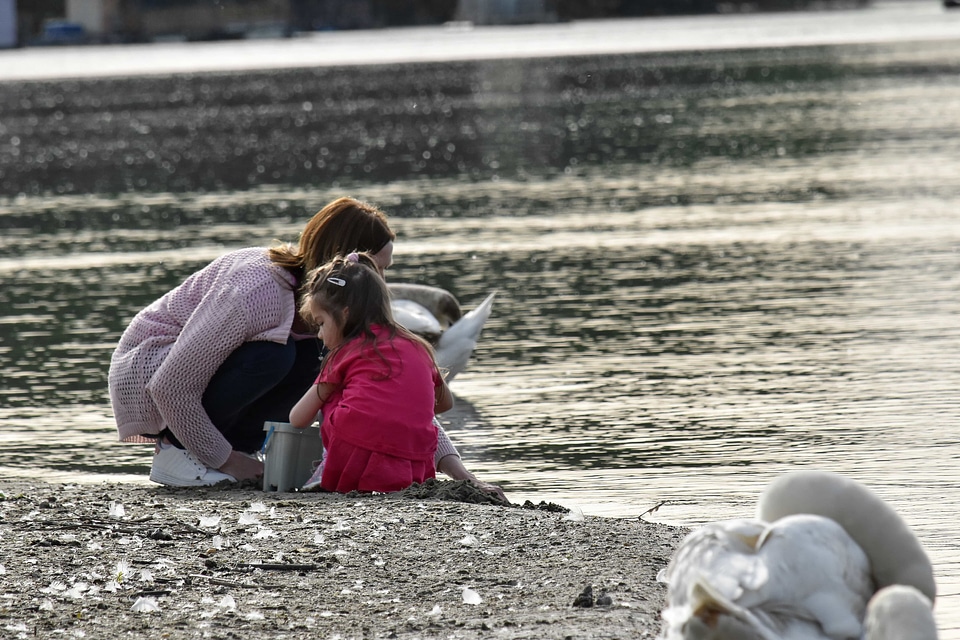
x,y
840,23
54,22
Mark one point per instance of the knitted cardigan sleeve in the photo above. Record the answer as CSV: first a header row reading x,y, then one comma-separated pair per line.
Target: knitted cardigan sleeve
x,y
444,445
244,305
217,326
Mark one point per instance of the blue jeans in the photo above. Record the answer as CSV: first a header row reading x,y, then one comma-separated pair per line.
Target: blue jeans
x,y
258,382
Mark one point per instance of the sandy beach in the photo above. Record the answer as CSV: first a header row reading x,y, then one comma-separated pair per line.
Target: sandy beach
x,y
438,561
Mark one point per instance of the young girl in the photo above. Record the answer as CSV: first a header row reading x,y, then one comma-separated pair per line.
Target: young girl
x,y
379,386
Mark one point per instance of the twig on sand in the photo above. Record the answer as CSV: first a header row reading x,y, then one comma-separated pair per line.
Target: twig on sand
x,y
154,593
654,508
266,566
230,583
189,527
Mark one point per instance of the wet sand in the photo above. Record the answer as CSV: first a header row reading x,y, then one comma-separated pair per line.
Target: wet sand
x,y
114,560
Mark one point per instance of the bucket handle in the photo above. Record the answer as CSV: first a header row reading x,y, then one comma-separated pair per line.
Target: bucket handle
x,y
266,441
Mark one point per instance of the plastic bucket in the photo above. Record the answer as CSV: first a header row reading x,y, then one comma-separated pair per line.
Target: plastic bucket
x,y
288,455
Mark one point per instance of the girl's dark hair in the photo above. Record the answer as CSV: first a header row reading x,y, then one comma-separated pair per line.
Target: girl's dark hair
x,y
353,283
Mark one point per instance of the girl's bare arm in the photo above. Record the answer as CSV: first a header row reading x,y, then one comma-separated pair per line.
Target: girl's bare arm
x,y
444,398
304,413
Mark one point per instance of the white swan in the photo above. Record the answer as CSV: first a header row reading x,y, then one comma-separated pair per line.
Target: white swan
x,y
808,568
435,314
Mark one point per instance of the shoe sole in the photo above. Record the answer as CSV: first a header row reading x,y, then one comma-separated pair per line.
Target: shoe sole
x,y
171,481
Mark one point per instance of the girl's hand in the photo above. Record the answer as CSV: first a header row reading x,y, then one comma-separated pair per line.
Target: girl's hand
x,y
242,466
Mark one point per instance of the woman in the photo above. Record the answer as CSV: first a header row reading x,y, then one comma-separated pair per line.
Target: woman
x,y
201,369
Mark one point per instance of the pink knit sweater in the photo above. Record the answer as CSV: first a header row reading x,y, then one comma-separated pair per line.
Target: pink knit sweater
x,y
170,351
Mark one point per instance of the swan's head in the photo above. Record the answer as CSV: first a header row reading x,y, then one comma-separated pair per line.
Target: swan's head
x,y
899,612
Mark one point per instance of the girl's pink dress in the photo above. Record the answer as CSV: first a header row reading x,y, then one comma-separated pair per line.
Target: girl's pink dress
x,y
378,432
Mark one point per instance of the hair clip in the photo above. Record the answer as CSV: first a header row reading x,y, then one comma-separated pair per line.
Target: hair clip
x,y
353,257
340,282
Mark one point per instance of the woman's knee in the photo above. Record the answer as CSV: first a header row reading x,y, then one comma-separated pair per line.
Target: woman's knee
x,y
250,371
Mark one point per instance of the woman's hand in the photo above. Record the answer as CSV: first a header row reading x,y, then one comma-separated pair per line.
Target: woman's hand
x,y
242,466
452,467
492,489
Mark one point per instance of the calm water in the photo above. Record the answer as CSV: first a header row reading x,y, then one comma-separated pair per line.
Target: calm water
x,y
711,267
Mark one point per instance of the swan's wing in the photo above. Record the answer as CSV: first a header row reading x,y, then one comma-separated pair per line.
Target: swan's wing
x,y
899,612
817,573
416,318
707,576
802,577
457,343
895,553
435,314
708,615
725,549
440,303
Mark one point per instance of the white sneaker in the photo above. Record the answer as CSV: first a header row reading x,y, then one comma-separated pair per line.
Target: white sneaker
x,y
315,479
179,468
